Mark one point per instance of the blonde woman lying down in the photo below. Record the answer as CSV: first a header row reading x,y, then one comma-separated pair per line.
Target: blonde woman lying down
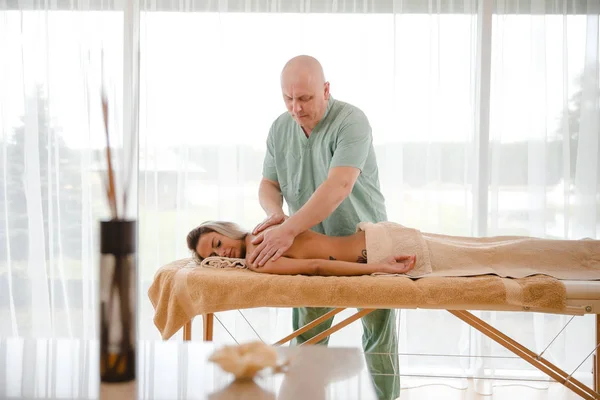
x,y
311,253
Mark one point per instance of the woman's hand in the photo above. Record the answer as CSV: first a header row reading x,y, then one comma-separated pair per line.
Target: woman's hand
x,y
398,264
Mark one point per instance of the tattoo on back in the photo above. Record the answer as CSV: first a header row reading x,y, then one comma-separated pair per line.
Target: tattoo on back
x,y
331,258
363,257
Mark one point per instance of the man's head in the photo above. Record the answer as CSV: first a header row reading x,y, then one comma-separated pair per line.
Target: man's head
x,y
305,91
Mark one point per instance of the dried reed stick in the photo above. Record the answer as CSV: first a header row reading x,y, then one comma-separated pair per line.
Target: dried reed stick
x,y
111,192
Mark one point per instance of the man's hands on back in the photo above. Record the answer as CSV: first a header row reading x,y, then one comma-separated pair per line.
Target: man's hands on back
x,y
271,244
328,196
273,219
274,242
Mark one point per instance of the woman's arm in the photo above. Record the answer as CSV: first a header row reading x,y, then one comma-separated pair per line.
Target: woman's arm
x,y
293,266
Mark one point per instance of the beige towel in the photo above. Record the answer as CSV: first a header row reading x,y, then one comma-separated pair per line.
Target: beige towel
x,y
221,262
179,293
508,256
386,239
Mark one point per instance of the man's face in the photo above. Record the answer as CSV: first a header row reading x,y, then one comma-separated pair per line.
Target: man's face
x,y
306,103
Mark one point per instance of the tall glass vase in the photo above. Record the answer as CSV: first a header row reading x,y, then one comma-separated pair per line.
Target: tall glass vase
x,y
118,294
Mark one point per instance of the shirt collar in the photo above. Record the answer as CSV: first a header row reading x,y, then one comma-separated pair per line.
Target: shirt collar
x,y
329,105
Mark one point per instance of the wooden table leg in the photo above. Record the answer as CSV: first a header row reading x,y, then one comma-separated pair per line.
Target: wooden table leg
x,y
207,322
316,339
309,326
559,375
187,331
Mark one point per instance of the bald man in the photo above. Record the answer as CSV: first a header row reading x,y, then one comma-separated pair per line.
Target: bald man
x,y
320,158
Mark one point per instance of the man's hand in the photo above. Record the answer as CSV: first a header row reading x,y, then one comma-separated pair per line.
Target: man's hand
x,y
272,245
273,219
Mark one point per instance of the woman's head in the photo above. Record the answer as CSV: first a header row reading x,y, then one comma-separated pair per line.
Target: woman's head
x,y
217,238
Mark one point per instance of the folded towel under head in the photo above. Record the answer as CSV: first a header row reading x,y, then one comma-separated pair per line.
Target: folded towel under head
x,y
221,262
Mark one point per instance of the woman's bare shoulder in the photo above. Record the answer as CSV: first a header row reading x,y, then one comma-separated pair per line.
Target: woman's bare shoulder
x,y
249,238
249,246
295,251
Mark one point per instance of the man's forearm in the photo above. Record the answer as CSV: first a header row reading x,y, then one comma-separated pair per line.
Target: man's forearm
x,y
270,198
321,204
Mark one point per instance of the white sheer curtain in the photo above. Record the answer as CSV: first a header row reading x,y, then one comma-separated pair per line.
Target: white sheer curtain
x,y
53,57
209,89
50,189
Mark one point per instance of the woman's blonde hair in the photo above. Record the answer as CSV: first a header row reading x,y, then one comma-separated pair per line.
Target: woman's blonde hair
x,y
228,229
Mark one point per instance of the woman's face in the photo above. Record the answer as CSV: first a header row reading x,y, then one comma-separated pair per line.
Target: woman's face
x,y
215,244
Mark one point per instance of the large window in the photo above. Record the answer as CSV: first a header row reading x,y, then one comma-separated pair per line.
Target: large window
x,y
544,91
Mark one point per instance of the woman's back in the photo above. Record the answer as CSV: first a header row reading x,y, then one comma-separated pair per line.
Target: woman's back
x,y
313,245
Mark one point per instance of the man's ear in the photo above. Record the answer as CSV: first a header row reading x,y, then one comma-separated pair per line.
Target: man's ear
x,y
326,87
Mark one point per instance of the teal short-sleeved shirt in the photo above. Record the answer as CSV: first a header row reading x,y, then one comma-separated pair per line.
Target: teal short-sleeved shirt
x,y
341,139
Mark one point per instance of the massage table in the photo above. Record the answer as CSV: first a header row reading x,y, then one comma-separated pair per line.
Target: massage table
x,y
181,292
